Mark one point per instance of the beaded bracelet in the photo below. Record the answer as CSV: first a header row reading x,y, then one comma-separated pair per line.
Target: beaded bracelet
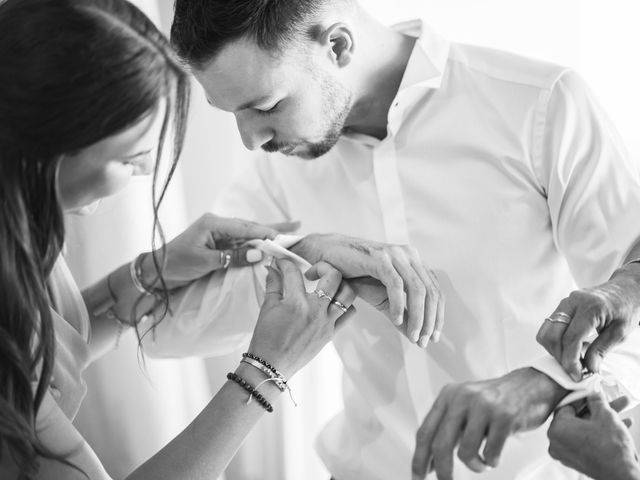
x,y
264,403
263,362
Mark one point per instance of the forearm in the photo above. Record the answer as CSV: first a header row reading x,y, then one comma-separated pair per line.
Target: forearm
x,y
204,449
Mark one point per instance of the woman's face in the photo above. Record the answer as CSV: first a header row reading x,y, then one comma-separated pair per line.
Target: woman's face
x,y
106,167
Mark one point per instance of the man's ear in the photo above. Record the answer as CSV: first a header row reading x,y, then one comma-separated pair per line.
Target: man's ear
x,y
339,40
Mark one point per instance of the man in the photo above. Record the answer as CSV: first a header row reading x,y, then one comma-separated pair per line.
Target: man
x,y
498,169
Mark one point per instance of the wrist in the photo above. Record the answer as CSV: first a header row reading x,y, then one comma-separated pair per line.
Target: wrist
x,y
252,375
547,390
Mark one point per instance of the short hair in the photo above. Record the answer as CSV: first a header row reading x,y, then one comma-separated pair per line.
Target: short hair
x,y
202,28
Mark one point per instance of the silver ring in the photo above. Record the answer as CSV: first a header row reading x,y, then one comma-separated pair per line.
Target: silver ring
x,y
225,259
559,317
323,294
340,305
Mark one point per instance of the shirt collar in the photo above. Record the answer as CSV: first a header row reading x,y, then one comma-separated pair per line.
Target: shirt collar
x,y
428,60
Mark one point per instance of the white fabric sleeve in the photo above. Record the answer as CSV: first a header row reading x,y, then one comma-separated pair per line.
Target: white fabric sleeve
x,y
60,437
619,373
591,183
593,196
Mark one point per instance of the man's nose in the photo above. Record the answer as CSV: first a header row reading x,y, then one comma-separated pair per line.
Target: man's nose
x,y
253,134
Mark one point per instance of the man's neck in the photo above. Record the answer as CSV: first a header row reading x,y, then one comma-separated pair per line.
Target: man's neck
x,y
385,60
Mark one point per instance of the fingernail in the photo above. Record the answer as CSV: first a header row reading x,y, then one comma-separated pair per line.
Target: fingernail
x,y
398,321
414,335
435,338
254,255
424,340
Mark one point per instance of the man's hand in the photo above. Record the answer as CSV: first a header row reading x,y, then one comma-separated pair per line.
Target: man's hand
x,y
611,309
467,414
398,268
598,445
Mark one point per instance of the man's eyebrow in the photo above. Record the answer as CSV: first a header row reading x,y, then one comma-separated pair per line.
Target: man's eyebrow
x,y
254,103
250,104
137,154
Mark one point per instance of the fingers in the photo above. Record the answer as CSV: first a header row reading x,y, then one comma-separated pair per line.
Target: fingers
x,y
292,283
619,404
470,442
550,333
423,454
566,411
416,293
609,337
223,227
496,438
235,257
392,281
273,287
328,277
597,404
433,305
342,299
285,227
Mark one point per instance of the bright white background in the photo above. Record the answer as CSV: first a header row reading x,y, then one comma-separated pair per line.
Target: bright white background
x,y
126,416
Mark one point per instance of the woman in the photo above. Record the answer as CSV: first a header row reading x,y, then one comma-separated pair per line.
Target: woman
x,y
89,92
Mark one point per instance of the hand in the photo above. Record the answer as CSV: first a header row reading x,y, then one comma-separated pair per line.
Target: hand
x,y
468,413
598,446
293,325
398,268
611,309
210,243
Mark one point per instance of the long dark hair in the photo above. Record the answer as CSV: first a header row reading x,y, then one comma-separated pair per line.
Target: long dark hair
x,y
72,72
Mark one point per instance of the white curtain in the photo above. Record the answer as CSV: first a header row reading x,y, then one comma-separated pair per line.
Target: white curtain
x,y
129,413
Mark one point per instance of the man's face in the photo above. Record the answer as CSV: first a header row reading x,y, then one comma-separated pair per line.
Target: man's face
x,y
287,103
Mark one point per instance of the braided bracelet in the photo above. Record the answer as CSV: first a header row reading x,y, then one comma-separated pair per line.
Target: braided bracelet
x,y
253,392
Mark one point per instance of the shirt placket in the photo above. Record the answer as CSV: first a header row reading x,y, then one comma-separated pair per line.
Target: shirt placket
x,y
385,167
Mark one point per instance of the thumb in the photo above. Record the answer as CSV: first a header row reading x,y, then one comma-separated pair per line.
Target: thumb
x,y
597,404
608,338
566,411
273,286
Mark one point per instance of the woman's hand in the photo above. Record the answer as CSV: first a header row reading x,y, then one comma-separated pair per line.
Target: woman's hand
x,y
293,325
210,243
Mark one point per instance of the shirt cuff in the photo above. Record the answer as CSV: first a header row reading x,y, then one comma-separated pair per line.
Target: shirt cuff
x,y
619,373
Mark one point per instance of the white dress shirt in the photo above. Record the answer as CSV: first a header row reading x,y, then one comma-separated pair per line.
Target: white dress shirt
x,y
512,183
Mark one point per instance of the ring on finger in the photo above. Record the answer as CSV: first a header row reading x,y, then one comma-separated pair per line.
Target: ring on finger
x,y
323,294
559,317
340,305
225,259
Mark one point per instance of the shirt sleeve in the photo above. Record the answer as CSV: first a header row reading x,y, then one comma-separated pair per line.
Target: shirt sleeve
x,y
59,437
216,314
619,374
591,183
593,195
